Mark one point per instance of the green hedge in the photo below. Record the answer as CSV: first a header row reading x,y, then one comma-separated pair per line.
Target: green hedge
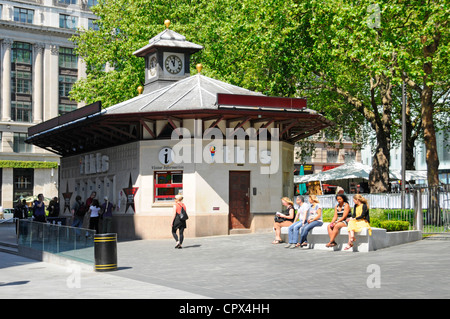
x,y
378,219
27,164
390,225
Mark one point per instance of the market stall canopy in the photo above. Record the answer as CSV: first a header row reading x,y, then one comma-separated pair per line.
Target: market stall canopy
x,y
346,171
356,170
409,175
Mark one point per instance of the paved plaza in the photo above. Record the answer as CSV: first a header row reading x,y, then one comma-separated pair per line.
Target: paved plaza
x,y
238,267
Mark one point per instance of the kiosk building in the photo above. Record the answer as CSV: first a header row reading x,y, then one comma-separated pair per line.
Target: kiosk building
x,y
228,150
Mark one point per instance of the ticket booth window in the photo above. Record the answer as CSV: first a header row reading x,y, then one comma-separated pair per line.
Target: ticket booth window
x,y
167,185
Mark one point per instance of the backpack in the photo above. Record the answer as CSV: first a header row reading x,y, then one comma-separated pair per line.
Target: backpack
x,y
183,214
81,211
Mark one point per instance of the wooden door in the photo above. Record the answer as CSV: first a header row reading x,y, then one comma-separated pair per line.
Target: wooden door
x,y
239,201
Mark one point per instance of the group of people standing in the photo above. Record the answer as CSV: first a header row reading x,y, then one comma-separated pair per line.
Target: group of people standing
x,y
309,215
37,209
94,211
21,210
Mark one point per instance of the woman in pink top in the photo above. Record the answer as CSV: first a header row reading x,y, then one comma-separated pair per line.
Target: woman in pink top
x,y
177,222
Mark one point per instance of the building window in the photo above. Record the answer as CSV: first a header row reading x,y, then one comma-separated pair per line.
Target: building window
x,y
67,22
23,15
21,53
68,72
332,156
167,185
19,143
92,25
21,112
349,155
23,182
65,85
67,1
21,82
67,58
92,3
66,108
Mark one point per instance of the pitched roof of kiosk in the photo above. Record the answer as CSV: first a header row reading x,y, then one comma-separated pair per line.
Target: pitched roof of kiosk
x,y
196,92
91,127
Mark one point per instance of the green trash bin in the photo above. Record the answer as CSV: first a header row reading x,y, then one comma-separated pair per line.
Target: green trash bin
x,y
105,252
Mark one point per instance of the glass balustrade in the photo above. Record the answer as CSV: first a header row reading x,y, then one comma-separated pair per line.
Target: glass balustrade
x,y
69,242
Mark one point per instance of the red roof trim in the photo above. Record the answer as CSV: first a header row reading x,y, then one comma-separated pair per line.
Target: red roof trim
x,y
260,101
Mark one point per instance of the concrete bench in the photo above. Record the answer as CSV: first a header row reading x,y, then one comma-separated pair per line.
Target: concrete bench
x,y
318,238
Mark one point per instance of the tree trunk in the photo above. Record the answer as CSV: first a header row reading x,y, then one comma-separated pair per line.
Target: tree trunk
x,y
426,99
429,134
410,137
379,176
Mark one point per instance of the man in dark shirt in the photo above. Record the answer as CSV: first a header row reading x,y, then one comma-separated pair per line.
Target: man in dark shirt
x,y
39,209
21,212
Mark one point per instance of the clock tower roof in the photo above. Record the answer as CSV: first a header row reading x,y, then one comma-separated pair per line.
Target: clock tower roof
x,y
168,39
167,58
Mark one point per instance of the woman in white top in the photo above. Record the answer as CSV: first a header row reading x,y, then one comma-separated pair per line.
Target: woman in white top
x,y
314,219
300,220
94,215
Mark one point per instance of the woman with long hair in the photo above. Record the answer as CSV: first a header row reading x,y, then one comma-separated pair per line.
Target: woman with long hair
x,y
359,220
314,219
284,219
94,210
342,212
178,223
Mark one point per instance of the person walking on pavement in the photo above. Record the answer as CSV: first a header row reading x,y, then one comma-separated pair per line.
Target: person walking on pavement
x,y
178,223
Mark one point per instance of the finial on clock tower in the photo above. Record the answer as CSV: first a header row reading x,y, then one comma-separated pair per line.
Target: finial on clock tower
x,y
167,23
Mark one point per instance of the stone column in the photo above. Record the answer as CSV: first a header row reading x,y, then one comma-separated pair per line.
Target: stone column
x,y
51,82
6,79
38,83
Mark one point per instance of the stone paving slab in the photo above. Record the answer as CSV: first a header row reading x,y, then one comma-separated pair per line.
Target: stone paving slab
x,y
239,267
249,266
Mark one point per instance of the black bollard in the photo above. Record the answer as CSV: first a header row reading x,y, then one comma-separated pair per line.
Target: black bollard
x,y
105,251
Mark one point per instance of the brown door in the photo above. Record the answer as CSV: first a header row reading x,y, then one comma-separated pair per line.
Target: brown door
x,y
239,199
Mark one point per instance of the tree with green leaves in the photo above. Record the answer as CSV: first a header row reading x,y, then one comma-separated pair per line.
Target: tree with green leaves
x,y
246,43
359,54
348,58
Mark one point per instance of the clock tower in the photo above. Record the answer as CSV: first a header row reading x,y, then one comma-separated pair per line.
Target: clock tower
x,y
167,58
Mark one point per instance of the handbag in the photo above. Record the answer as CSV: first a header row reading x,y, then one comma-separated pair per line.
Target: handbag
x,y
279,219
183,214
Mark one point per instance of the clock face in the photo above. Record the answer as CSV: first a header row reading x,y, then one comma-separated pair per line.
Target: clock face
x,y
152,66
173,64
